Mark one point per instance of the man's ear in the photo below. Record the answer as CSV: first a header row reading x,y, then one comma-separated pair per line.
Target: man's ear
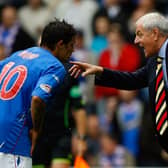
x,y
60,44
156,33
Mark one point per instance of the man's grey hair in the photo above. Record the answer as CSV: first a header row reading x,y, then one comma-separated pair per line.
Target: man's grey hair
x,y
154,20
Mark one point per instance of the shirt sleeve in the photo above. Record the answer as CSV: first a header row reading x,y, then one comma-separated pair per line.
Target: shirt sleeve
x,y
49,82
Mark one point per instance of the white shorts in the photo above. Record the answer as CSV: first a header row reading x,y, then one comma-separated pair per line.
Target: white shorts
x,y
14,161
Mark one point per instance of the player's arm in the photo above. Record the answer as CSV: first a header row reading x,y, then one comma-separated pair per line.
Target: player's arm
x,y
37,113
80,120
81,129
80,117
45,87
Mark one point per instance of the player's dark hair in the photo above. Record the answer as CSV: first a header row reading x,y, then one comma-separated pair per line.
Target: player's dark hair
x,y
56,31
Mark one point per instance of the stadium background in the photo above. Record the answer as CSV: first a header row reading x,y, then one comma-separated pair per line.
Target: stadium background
x,y
120,131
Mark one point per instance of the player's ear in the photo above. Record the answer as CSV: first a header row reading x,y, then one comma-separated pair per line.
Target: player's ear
x,y
60,44
155,33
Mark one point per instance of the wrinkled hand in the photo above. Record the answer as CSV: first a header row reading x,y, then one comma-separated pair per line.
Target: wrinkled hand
x,y
84,69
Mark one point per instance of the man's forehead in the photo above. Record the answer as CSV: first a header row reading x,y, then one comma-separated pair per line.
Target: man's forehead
x,y
139,28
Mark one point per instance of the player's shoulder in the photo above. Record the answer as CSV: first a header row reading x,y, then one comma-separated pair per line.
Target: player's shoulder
x,y
40,58
48,61
26,54
39,54
43,54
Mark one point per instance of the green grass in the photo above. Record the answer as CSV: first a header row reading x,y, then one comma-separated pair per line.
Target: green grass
x,y
39,166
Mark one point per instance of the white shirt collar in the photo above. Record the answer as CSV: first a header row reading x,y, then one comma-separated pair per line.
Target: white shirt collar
x,y
162,51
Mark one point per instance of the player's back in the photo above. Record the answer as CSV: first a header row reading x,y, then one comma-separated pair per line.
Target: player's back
x,y
19,76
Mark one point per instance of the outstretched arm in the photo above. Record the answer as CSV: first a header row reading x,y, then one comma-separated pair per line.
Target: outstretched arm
x,y
111,78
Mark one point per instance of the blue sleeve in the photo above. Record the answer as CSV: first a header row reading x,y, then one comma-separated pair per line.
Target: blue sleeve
x,y
49,81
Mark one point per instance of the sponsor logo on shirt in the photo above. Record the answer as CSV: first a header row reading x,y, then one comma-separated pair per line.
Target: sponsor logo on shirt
x,y
46,88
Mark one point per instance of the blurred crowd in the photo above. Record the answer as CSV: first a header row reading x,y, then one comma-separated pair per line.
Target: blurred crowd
x,y
120,131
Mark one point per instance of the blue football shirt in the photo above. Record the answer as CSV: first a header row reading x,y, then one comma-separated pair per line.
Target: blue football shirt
x,y
27,73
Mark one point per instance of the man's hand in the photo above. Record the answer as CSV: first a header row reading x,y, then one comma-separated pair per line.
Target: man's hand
x,y
84,69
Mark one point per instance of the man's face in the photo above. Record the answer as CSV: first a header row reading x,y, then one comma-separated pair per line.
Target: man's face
x,y
146,39
66,50
9,17
115,41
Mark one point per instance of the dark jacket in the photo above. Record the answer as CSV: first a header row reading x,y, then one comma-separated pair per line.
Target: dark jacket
x,y
144,77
